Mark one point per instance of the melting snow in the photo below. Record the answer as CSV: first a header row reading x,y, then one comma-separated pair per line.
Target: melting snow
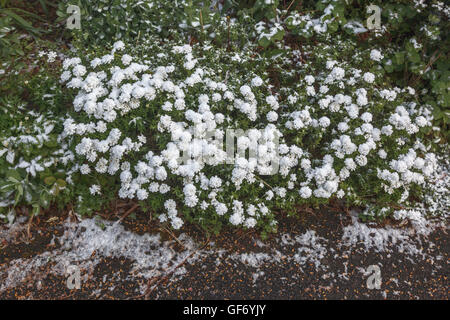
x,y
381,239
84,244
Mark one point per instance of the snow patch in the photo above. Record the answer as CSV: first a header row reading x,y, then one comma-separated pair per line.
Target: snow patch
x,y
311,249
85,243
385,239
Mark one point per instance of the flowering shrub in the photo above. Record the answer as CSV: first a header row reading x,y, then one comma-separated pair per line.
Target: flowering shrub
x,y
411,34
139,115
343,134
317,113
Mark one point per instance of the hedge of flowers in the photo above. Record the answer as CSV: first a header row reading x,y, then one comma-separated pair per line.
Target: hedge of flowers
x,y
133,114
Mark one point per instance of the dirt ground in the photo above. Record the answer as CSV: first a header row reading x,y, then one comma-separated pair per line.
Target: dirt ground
x,y
234,265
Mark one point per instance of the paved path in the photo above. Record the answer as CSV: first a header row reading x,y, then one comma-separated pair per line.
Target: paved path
x,y
321,255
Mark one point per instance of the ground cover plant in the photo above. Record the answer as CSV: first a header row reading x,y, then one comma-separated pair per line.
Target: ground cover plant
x,y
140,105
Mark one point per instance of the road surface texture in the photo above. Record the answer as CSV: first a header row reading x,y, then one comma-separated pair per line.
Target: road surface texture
x,y
317,255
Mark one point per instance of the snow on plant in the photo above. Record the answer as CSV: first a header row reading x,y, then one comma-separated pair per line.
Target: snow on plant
x,y
135,19
32,161
146,121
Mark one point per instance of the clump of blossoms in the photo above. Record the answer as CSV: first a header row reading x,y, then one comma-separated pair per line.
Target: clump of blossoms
x,y
148,125
144,124
371,138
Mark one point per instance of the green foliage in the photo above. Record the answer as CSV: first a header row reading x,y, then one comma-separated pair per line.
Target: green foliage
x,y
280,41
17,27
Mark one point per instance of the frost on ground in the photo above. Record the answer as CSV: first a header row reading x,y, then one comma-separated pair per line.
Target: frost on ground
x,y
85,243
309,248
14,230
385,239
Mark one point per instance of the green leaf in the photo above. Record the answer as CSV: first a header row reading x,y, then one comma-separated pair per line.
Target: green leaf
x,y
61,183
264,42
399,58
413,56
14,174
5,186
49,180
36,209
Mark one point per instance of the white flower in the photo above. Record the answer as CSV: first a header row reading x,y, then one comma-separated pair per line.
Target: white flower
x,y
305,192
421,121
10,157
343,126
51,56
65,76
96,62
250,222
376,55
272,116
323,89
361,97
108,58
236,219
361,160
369,77
337,73
221,208
164,188
177,223
330,64
257,81
246,91
419,163
364,149
215,182
366,117
119,45
216,97
102,165
272,101
309,79
305,164
126,59
387,130
162,218
161,174
153,187
310,91
142,194
84,169
94,189
324,122
191,198
350,164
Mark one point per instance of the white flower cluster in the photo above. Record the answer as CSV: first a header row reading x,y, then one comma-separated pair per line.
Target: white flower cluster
x,y
407,169
190,107
105,97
